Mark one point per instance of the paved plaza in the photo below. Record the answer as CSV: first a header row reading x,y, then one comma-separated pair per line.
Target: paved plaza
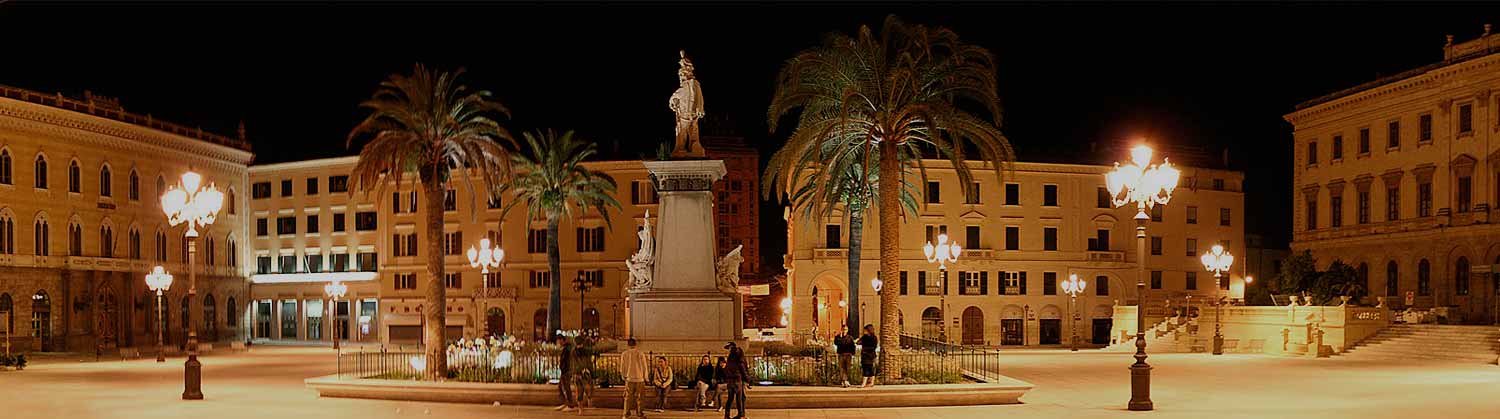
x,y
267,383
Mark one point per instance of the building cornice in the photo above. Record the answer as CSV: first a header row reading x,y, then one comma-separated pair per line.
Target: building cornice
x,y
305,164
1419,78
106,132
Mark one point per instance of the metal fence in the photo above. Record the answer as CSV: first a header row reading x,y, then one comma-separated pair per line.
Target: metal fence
x,y
976,361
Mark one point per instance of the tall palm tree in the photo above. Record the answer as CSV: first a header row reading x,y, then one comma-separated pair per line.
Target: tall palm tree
x,y
552,181
429,126
905,92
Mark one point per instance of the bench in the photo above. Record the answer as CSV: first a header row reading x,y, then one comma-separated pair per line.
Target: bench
x,y
1231,344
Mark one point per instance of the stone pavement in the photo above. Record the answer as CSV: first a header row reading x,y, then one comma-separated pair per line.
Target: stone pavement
x,y
267,383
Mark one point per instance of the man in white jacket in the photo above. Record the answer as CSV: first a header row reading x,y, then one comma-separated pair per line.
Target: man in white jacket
x,y
633,368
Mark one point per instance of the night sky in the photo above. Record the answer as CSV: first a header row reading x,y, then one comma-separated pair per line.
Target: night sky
x,y
1205,75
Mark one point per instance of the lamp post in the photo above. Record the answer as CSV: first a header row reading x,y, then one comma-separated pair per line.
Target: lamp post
x,y
1146,186
1218,261
875,284
187,203
1073,286
943,253
335,291
485,257
582,285
159,280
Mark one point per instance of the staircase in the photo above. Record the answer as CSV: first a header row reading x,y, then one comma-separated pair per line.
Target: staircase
x,y
1467,344
1169,336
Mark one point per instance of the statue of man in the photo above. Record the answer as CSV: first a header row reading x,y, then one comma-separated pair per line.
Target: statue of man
x,y
641,262
687,102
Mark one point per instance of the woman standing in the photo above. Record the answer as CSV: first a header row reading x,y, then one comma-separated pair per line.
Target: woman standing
x,y
867,346
736,380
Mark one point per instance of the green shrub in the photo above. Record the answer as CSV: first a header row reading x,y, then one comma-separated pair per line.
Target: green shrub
x,y
783,348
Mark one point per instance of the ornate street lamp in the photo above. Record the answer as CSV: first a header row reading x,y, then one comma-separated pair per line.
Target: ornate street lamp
x,y
159,280
583,285
1146,186
943,253
1218,261
195,206
485,257
1073,286
335,291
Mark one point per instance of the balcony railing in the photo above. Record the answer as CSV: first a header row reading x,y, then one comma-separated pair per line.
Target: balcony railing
x,y
1388,227
1106,256
501,292
830,253
979,253
111,110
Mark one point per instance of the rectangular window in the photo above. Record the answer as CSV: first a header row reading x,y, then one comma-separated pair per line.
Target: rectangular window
x,y
1338,147
1101,286
934,193
453,280
1156,212
453,243
642,192
286,187
540,279
1336,211
314,262
493,202
1362,207
832,236
971,237
338,222
262,264
1424,200
312,186
312,223
1392,203
1224,216
1104,200
1156,280
594,278
406,281
1223,282
1192,214
1010,283
368,261
1424,128
1465,119
1192,247
1218,184
1012,194
536,241
1364,141
1012,238
934,230
260,190
261,227
1049,195
492,280
971,196
286,225
1100,241
395,202
288,264
1049,238
411,202
339,262
1049,283
1312,153
1465,193
1155,245
903,283
399,245
590,239
365,221
1192,281
338,184
450,200
1393,134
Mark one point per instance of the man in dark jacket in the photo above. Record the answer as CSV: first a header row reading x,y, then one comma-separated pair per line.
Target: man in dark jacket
x,y
703,381
565,370
845,345
736,380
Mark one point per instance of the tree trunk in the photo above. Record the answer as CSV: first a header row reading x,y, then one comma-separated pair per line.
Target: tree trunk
x,y
554,298
856,233
436,306
890,258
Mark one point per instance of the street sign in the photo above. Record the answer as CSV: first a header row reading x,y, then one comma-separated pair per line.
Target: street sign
x,y
1482,269
1411,298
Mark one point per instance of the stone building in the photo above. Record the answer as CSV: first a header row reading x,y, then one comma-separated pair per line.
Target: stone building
x,y
1398,177
737,200
81,225
1022,236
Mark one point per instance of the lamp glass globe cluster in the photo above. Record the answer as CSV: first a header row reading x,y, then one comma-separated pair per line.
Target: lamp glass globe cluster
x,y
159,280
1217,260
485,257
1073,286
1141,182
187,203
942,253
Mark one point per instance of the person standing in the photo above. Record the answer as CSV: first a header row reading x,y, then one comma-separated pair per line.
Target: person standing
x,y
633,368
736,380
868,344
719,388
845,346
703,380
661,378
565,374
583,365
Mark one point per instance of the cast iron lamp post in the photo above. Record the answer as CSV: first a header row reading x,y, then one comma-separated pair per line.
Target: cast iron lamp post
x,y
944,253
1218,261
875,284
1073,286
187,203
583,285
159,280
1146,186
485,257
335,291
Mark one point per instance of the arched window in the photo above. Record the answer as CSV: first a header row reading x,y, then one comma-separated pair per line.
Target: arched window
x,y
42,238
104,182
186,315
1461,276
40,172
5,167
1424,278
231,201
106,242
8,307
1392,279
135,244
183,246
539,325
229,309
208,254
161,247
41,317
75,240
1101,286
75,177
591,319
230,255
7,234
210,315
135,186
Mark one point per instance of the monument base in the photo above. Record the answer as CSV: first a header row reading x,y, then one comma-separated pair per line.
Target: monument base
x,y
684,321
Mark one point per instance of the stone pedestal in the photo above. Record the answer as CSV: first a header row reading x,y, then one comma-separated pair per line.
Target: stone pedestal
x,y
683,309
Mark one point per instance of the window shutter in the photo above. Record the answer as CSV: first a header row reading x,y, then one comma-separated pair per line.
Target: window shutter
x,y
396,244
411,244
1023,283
579,242
984,283
635,192
921,282
1002,284
903,282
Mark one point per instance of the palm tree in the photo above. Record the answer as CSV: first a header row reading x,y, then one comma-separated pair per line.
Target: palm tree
x,y
426,125
906,92
552,181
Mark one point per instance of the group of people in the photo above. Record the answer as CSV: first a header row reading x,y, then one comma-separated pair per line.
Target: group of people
x,y
728,378
844,345
575,382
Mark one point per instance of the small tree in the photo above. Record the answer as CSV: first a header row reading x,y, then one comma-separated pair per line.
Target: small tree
x,y
1300,276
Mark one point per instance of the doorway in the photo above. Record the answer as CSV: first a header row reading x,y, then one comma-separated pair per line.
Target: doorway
x,y
1051,331
1012,332
1101,331
288,319
932,323
494,322
973,323
105,323
263,319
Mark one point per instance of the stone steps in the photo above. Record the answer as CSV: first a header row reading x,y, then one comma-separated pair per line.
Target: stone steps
x,y
1478,344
